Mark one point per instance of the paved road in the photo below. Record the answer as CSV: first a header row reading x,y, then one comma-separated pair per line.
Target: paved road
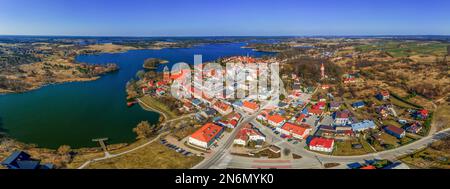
x,y
315,160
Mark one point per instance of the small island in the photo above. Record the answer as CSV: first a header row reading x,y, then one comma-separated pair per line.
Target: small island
x,y
153,63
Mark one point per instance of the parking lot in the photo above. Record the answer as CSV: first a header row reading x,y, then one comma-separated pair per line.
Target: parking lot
x,y
176,148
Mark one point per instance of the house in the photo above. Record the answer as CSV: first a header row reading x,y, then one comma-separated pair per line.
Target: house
x,y
228,123
283,104
209,112
22,160
248,133
144,90
187,106
358,104
414,128
300,118
206,135
160,91
383,95
222,108
296,131
395,131
196,102
316,112
276,120
349,80
364,125
421,114
341,117
335,106
321,144
250,107
319,106
263,115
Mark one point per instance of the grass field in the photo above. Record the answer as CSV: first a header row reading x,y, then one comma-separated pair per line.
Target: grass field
x,y
158,106
345,148
404,49
441,117
437,156
153,156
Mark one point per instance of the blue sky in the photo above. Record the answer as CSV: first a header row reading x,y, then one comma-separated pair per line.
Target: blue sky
x,y
224,17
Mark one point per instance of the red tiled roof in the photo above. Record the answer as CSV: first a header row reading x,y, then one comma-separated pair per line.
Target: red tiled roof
x,y
322,142
368,167
250,105
342,114
275,118
207,132
301,117
221,105
297,129
315,111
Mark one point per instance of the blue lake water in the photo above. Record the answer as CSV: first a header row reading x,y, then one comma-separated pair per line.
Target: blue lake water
x,y
75,113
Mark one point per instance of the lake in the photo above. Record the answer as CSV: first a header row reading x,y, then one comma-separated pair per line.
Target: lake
x,y
75,113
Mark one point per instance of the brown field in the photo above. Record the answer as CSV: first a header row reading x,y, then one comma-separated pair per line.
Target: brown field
x,y
153,156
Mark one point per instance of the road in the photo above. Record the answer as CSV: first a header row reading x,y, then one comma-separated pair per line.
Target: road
x,y
315,160
223,150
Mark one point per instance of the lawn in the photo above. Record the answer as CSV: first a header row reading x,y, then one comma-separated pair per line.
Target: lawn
x,y
153,156
441,118
345,148
399,103
437,156
158,106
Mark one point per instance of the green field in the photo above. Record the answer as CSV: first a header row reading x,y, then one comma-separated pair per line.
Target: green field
x,y
404,49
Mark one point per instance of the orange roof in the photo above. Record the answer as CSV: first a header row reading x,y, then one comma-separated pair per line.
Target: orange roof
x,y
275,118
207,132
296,129
251,105
301,117
368,167
315,111
222,105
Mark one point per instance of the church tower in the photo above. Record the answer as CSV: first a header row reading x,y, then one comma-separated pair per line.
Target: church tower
x,y
322,71
166,75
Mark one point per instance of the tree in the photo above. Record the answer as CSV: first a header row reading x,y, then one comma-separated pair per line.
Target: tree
x,y
143,130
64,150
140,74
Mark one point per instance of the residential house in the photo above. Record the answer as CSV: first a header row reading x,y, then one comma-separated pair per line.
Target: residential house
x,y
321,144
222,108
335,106
383,95
364,125
250,107
415,128
316,112
341,117
296,131
421,114
395,131
276,120
247,134
206,135
22,160
358,104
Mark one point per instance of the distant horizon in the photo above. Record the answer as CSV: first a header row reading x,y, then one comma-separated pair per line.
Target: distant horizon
x,y
200,18
193,36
